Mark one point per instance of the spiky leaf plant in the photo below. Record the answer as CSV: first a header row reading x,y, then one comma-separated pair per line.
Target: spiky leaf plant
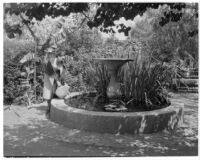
x,y
142,84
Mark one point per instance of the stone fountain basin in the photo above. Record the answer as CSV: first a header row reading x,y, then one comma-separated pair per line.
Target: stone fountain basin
x,y
168,118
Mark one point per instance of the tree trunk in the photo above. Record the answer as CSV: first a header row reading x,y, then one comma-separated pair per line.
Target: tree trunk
x,y
35,72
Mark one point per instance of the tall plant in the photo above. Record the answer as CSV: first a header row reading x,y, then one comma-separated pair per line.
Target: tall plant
x,y
143,83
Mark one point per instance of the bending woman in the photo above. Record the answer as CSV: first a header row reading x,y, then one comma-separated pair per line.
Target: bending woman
x,y
52,76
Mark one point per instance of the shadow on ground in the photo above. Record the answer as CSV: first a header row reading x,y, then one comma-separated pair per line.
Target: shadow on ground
x,y
28,132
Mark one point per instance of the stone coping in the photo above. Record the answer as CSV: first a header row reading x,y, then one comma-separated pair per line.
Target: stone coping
x,y
117,122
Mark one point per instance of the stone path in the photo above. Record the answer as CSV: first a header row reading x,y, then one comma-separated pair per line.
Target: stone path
x,y
28,132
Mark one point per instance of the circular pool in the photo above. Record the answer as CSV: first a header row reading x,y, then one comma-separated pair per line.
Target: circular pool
x,y
116,122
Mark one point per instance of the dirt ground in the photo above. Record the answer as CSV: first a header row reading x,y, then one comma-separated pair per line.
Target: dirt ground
x,y
29,133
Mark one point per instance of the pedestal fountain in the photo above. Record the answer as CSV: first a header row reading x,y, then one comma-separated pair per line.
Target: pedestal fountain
x,y
113,65
115,122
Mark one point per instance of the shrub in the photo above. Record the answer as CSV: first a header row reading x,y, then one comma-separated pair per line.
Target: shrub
x,y
12,75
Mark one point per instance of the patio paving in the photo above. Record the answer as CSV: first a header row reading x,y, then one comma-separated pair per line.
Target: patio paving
x,y
28,132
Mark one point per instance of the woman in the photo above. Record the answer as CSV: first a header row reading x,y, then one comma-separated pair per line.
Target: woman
x,y
52,75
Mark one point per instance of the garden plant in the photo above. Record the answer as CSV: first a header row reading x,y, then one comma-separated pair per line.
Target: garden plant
x,y
144,81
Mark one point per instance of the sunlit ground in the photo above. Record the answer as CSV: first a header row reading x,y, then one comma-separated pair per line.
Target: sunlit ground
x,y
30,133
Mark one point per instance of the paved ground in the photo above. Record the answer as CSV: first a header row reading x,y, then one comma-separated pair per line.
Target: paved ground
x,y
28,132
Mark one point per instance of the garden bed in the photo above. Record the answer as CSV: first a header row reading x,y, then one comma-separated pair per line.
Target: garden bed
x,y
116,122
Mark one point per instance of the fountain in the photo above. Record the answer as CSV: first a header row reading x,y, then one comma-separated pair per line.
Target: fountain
x,y
115,122
113,65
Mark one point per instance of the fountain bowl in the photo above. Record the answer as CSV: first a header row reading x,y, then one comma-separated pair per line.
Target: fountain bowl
x,y
113,63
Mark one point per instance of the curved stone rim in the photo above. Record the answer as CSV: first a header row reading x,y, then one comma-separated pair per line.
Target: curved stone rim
x,y
166,118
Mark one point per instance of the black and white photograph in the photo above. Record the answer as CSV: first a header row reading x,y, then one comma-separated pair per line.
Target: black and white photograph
x,y
100,79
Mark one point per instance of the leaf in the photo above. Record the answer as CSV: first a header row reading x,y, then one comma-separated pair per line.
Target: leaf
x,y
27,57
27,69
24,74
32,71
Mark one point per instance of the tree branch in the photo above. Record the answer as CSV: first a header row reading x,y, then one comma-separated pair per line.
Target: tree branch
x,y
86,16
30,30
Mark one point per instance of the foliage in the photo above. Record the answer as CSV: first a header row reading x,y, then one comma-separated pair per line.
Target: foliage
x,y
106,13
158,50
11,82
173,42
143,83
13,52
102,80
18,81
79,46
27,77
